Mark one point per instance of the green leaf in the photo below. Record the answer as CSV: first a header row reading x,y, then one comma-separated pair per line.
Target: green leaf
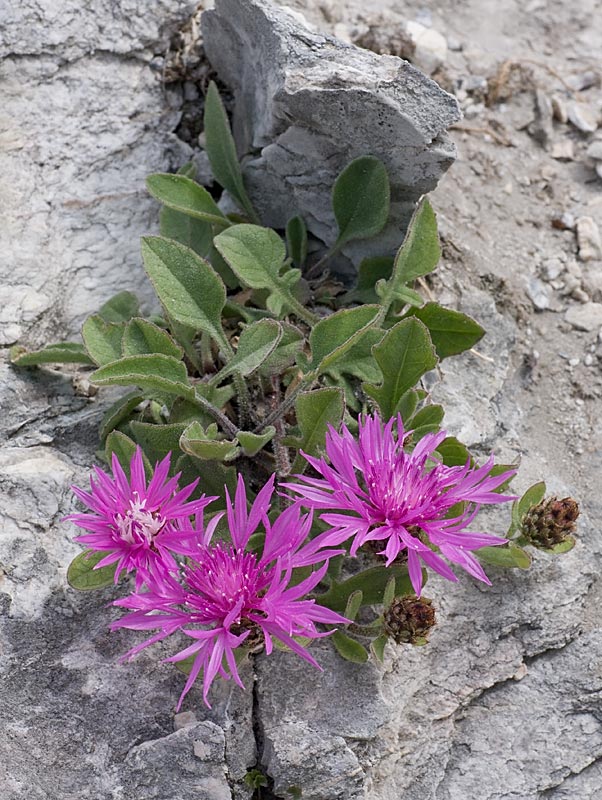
x,y
427,420
506,556
255,344
141,336
315,412
256,256
119,411
562,547
296,240
358,361
252,443
354,603
451,331
348,648
205,444
389,593
532,497
417,256
217,395
372,582
124,448
370,271
213,478
187,286
152,373
332,337
221,150
120,308
453,453
407,404
187,197
378,647
191,232
158,440
360,199
59,353
284,354
404,355
82,576
222,268
102,339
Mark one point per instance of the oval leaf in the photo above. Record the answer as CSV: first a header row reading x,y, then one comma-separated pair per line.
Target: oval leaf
x,y
333,336
82,576
255,343
315,412
187,286
187,197
102,339
153,373
360,199
60,353
451,331
141,336
348,648
221,150
404,355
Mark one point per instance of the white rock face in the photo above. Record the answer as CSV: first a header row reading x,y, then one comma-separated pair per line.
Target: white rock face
x,y
84,119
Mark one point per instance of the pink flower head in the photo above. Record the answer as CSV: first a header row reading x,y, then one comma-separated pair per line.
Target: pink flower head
x,y
231,594
139,525
375,490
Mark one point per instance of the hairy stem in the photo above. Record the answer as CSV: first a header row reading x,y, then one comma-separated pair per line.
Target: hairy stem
x,y
222,420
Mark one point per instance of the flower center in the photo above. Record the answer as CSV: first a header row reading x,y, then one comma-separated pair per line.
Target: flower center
x,y
137,525
224,580
399,490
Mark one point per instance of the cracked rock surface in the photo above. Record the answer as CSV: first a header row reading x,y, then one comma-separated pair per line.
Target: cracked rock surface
x,y
504,703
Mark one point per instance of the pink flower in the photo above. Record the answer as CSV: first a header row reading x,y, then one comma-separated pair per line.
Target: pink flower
x,y
375,490
139,525
231,594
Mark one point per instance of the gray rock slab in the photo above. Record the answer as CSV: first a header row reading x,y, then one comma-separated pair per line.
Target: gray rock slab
x,y
308,104
84,119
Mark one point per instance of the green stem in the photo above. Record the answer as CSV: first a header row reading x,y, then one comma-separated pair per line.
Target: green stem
x,y
283,462
299,310
287,403
367,631
226,425
313,271
242,390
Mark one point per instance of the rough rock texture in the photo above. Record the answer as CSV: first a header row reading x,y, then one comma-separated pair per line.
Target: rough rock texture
x,y
84,119
307,104
504,703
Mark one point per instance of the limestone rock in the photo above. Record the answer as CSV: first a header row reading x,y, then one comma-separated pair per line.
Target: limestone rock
x,y
307,105
82,123
587,317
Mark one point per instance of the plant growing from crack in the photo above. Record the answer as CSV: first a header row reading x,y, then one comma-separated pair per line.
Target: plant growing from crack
x,y
262,370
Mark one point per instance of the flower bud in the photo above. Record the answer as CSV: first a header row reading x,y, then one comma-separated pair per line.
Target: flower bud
x,y
550,523
409,619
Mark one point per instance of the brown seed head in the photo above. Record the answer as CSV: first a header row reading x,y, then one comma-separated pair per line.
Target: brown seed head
x,y
408,620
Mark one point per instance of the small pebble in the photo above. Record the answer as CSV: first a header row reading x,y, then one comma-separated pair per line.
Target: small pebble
x,y
564,221
583,116
588,360
563,151
588,239
595,150
559,109
538,294
573,362
551,269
